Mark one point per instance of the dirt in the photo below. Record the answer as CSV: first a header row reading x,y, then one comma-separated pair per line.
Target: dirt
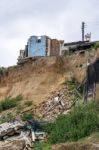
x,y
35,80
88,143
38,79
77,146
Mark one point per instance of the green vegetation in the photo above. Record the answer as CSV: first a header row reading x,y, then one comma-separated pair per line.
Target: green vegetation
x,y
74,84
96,45
9,103
7,118
28,103
27,116
19,108
42,146
38,146
81,122
2,70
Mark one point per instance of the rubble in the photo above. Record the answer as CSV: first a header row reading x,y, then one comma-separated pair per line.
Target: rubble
x,y
60,103
14,137
10,128
39,136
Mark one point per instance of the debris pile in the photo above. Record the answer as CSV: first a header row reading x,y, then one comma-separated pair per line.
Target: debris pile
x,y
13,136
60,103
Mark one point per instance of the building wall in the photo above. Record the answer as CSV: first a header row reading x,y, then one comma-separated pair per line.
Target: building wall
x,y
48,46
37,46
55,47
42,46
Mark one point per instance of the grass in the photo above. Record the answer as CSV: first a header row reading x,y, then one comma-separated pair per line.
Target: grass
x,y
28,103
80,123
7,118
47,146
38,146
19,108
9,103
74,84
42,146
27,116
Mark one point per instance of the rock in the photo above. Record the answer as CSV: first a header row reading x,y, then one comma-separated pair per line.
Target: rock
x,y
14,137
14,145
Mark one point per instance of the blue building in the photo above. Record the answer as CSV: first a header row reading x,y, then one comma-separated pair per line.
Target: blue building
x,y
37,46
41,46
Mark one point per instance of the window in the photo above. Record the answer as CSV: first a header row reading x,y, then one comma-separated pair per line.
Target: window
x,y
39,40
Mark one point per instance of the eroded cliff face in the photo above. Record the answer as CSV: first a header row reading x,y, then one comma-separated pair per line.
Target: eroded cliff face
x,y
34,80
38,79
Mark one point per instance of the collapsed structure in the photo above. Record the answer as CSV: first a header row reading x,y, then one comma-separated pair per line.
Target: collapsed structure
x,y
38,46
41,46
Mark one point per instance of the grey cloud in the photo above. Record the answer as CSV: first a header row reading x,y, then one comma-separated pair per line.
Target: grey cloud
x,y
56,18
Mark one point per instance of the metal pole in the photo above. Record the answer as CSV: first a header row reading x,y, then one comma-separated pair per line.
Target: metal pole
x,y
83,31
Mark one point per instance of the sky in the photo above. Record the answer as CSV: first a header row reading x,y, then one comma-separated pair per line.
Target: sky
x,y
59,19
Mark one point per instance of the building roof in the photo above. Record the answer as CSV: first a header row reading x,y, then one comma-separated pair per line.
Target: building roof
x,y
75,43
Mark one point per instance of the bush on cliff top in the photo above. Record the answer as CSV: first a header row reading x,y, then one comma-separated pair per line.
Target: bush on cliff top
x,y
81,122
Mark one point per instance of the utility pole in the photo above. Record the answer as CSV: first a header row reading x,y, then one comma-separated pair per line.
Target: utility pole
x,y
83,31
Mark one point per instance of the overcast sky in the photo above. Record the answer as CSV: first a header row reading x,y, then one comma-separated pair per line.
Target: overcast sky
x,y
60,19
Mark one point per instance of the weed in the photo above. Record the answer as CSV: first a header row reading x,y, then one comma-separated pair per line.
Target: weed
x,y
28,103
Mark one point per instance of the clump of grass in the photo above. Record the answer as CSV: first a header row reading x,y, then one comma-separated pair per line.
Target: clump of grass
x,y
27,116
19,108
9,103
72,83
46,146
28,103
7,118
42,146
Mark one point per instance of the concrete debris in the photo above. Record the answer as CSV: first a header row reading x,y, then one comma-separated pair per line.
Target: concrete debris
x,y
7,129
14,137
59,104
38,136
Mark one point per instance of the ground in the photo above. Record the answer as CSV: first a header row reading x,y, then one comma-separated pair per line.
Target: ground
x,y
38,80
89,143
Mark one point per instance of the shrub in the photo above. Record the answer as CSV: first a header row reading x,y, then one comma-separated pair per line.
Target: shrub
x,y
9,103
96,45
81,122
2,70
27,116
